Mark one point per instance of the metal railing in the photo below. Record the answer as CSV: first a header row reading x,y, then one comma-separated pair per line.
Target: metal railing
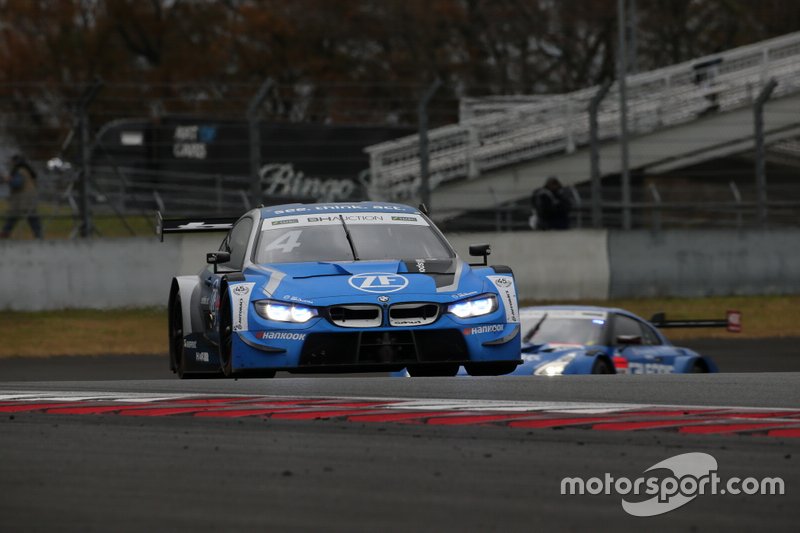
x,y
136,189
512,132
720,206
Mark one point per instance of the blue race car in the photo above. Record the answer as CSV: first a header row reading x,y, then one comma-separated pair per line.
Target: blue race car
x,y
339,288
596,340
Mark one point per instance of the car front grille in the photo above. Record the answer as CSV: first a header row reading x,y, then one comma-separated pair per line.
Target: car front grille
x,y
372,316
413,314
356,316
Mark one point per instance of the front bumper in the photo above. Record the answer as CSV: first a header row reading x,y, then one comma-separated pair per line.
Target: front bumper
x,y
324,346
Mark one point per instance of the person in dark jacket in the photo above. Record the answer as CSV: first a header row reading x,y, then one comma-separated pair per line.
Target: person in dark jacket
x,y
551,206
22,200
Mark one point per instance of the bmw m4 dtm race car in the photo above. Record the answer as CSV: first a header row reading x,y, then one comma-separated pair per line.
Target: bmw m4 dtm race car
x,y
339,288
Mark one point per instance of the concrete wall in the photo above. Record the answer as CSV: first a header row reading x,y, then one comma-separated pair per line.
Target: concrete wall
x,y
565,265
570,265
704,263
99,274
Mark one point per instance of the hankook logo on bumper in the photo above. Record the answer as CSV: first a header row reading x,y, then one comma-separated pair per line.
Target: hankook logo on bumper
x,y
378,282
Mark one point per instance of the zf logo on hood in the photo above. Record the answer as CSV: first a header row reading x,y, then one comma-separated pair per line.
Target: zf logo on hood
x,y
378,282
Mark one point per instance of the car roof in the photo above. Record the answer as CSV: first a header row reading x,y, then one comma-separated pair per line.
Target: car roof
x,y
580,308
335,207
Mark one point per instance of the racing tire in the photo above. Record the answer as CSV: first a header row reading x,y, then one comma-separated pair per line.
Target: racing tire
x,y
225,335
490,369
698,367
602,366
176,350
433,370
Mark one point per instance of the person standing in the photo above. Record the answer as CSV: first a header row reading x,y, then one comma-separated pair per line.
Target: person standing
x,y
551,206
22,200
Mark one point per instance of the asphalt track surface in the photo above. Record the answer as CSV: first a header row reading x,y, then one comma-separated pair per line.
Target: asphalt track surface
x,y
178,471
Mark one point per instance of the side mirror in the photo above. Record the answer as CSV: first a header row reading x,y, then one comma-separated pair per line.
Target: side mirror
x,y
629,340
480,250
217,258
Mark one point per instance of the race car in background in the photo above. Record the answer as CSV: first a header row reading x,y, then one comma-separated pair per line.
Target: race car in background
x,y
339,288
560,340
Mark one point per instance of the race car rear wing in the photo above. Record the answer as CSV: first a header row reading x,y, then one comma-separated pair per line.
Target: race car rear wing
x,y
191,225
732,322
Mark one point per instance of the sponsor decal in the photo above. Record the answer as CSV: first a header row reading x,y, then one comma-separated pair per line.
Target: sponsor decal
x,y
282,336
378,282
672,483
350,218
649,368
201,356
192,345
508,293
342,207
460,295
420,265
491,328
333,219
240,304
504,282
407,321
297,299
241,289
284,221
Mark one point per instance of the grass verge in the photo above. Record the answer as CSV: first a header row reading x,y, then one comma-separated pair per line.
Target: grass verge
x,y
83,332
144,331
762,316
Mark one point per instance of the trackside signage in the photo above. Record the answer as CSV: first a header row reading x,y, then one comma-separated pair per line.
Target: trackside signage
x,y
671,484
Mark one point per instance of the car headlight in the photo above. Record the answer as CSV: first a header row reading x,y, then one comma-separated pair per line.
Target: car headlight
x,y
285,312
555,368
478,306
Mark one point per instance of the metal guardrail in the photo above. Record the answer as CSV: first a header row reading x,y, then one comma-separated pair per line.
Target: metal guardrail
x,y
657,99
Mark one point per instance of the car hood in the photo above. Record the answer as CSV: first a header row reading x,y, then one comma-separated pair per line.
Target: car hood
x,y
363,281
535,355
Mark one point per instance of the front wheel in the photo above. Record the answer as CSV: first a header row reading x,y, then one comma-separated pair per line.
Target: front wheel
x,y
602,366
176,351
698,368
225,336
490,369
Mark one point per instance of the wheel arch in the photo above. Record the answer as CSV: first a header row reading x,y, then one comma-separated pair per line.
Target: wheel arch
x,y
188,289
685,364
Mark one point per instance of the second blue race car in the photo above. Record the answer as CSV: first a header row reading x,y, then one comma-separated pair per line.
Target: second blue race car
x,y
560,340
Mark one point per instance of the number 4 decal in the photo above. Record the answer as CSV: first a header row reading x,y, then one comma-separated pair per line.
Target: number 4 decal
x,y
286,242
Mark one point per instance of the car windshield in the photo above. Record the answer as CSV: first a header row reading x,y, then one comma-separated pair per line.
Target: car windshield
x,y
555,329
375,236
